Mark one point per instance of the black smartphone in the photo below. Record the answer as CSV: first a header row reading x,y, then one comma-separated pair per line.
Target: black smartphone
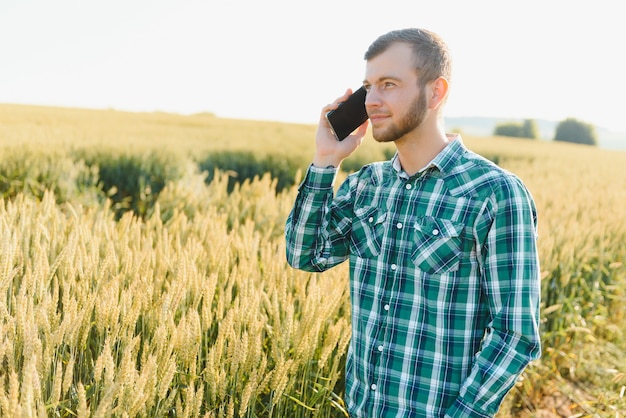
x,y
349,115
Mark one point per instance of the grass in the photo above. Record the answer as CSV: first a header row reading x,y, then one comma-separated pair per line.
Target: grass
x,y
191,310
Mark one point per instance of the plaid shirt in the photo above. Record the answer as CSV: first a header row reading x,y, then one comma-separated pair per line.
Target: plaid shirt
x,y
444,281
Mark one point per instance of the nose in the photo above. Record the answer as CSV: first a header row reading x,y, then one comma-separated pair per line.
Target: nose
x,y
372,99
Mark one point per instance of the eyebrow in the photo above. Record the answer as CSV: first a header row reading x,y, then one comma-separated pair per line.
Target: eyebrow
x,y
383,78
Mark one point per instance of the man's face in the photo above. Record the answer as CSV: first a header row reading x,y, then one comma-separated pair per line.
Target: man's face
x,y
394,102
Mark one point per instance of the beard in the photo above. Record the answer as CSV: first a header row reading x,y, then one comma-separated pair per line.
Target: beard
x,y
413,118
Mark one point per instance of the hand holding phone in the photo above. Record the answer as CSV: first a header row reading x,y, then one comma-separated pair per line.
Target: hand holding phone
x,y
349,115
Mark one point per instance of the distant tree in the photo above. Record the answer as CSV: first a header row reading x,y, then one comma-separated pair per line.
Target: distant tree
x,y
530,129
508,129
578,132
527,129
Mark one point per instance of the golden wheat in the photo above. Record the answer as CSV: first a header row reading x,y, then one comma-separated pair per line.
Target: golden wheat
x,y
193,311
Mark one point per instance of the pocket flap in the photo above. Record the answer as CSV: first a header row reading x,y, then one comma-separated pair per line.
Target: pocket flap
x,y
437,227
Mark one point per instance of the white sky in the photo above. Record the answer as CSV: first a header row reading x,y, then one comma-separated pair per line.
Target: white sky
x,y
284,60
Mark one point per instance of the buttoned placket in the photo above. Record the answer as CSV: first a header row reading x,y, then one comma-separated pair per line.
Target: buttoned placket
x,y
390,283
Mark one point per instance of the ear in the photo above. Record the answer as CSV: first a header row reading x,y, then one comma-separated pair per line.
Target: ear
x,y
439,92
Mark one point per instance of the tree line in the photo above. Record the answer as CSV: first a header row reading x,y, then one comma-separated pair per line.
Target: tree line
x,y
568,130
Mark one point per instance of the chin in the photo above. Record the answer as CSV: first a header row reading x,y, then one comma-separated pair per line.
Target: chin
x,y
382,136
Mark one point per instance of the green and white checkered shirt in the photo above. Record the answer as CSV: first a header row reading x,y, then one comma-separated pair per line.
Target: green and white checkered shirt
x,y
444,280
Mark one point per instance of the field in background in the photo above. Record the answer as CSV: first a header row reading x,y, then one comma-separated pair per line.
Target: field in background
x,y
189,308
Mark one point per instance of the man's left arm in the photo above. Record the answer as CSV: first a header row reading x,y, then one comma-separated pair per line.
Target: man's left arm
x,y
511,283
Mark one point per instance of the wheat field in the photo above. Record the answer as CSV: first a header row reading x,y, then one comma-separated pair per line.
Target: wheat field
x,y
192,311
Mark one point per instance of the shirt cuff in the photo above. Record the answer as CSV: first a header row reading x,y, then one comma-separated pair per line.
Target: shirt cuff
x,y
319,179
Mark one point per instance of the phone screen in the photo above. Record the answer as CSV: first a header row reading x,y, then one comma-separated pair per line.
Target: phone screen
x,y
349,115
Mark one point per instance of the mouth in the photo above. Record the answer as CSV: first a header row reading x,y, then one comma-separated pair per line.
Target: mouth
x,y
377,117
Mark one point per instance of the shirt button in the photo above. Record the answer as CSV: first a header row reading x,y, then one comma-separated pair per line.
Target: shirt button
x,y
435,232
371,219
380,348
394,267
386,307
408,186
373,386
399,225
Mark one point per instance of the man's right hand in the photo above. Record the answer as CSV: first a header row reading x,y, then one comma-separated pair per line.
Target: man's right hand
x,y
329,151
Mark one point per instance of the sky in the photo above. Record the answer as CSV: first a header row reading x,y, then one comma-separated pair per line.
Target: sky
x,y
284,60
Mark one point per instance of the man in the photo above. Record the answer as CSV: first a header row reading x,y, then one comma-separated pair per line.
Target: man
x,y
444,273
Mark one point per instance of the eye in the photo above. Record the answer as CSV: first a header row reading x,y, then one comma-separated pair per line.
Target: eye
x,y
388,84
367,87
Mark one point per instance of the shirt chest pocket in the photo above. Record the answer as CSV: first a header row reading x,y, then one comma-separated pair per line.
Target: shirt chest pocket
x,y
437,245
368,229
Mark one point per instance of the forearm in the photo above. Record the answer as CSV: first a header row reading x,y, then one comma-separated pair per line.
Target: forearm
x,y
497,367
310,244
511,343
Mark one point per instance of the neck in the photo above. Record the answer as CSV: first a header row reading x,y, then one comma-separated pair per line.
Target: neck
x,y
417,149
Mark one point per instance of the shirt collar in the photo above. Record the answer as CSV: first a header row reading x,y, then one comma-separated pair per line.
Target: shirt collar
x,y
444,161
